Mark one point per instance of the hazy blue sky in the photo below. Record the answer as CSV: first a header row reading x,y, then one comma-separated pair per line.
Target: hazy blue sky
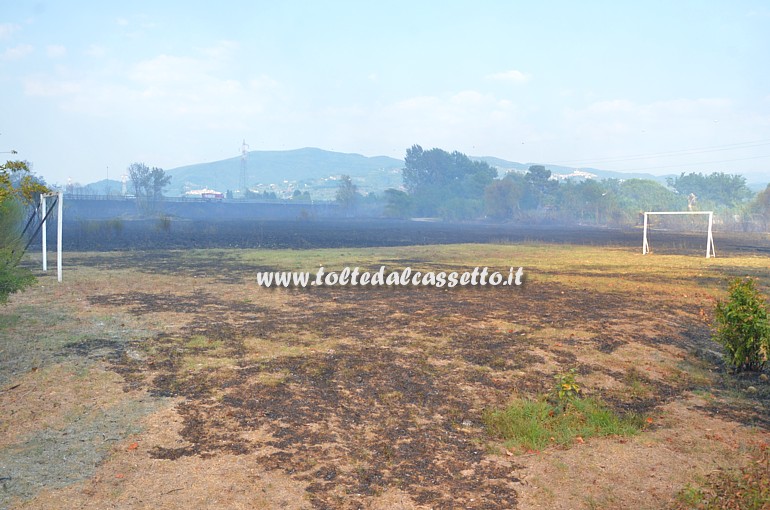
x,y
662,87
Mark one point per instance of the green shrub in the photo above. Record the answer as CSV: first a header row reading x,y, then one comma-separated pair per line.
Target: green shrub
x,y
116,224
17,187
742,326
12,277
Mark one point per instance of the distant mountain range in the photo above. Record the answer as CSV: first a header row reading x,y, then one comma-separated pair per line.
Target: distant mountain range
x,y
317,171
284,171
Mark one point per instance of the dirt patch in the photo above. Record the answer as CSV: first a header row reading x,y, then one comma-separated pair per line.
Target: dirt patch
x,y
45,398
133,479
63,437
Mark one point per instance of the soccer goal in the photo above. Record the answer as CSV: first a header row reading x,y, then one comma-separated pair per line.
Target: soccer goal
x,y
45,212
709,239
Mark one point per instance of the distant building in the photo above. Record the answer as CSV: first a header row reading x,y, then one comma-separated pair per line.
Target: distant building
x,y
209,194
577,174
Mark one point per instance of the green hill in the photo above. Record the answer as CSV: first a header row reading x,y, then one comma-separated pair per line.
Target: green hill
x,y
307,168
103,187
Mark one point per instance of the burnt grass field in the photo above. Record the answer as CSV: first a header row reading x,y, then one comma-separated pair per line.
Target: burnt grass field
x,y
374,397
122,235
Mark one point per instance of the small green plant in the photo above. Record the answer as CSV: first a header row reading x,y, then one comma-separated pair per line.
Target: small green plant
x,y
690,497
567,389
561,418
742,326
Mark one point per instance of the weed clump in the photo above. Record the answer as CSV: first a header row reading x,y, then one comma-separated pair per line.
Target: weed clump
x,y
561,418
164,223
742,326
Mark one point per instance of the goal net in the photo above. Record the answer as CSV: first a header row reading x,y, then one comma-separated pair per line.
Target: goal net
x,y
680,222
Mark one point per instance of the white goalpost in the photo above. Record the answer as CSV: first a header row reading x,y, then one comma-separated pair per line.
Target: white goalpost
x,y
709,240
44,211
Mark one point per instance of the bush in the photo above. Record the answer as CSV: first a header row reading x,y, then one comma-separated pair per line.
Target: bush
x,y
12,277
17,187
164,223
742,326
460,209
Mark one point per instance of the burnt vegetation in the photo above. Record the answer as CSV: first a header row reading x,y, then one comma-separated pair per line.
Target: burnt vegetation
x,y
359,391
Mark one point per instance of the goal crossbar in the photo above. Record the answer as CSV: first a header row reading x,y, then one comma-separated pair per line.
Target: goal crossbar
x,y
709,240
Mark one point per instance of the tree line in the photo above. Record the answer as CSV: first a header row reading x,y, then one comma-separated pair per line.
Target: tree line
x,y
451,186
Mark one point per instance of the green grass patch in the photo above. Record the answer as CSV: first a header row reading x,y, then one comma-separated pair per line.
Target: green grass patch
x,y
534,425
202,342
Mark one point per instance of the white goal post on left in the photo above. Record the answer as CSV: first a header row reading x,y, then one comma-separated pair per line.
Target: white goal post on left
x,y
709,240
59,214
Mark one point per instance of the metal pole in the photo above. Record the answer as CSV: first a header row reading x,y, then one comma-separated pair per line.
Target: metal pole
x,y
59,235
645,246
44,238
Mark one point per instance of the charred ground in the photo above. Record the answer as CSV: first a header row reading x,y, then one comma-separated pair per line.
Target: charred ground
x,y
354,394
396,402
168,234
